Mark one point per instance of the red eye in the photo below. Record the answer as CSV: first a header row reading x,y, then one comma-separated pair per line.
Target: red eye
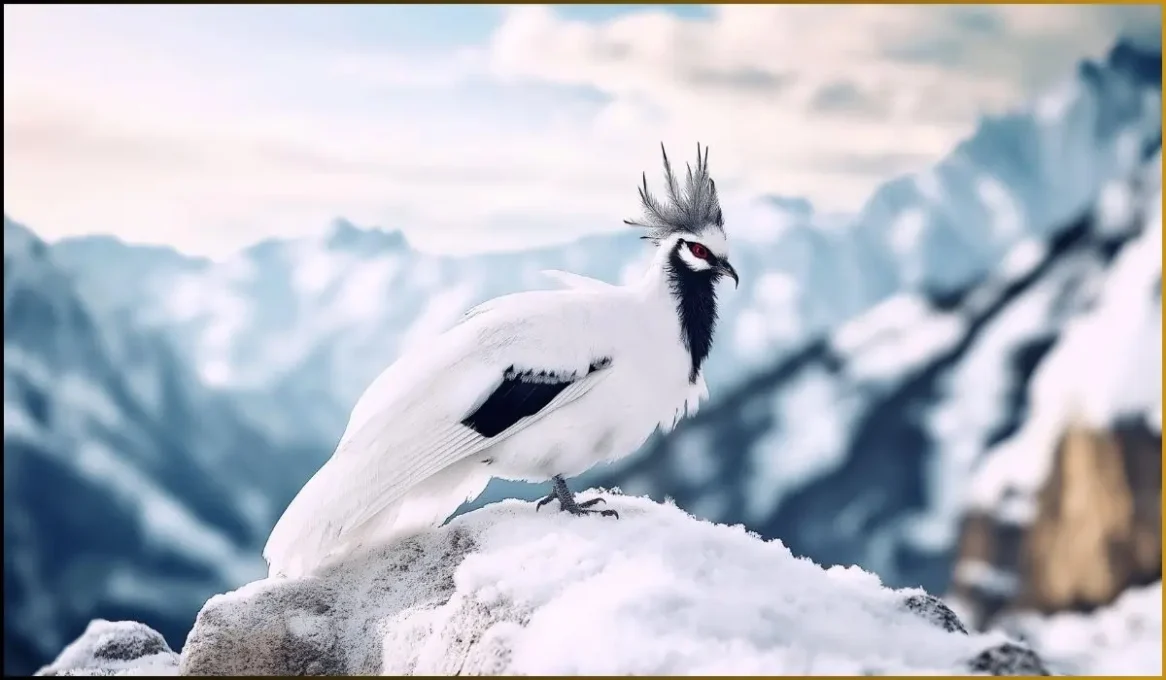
x,y
698,250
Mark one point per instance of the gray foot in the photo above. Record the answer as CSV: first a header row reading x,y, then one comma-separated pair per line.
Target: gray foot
x,y
568,503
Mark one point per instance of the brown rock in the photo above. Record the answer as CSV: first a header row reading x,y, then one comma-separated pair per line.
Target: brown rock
x,y
1097,531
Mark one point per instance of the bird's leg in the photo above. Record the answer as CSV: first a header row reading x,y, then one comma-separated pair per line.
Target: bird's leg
x,y
568,503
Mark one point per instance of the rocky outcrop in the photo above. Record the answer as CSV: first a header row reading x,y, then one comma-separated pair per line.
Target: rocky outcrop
x,y
1096,531
115,648
506,590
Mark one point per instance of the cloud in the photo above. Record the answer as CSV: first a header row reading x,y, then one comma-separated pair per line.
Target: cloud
x,y
790,88
388,70
209,128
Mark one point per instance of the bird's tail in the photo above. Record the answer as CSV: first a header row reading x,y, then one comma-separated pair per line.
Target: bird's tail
x,y
310,528
325,520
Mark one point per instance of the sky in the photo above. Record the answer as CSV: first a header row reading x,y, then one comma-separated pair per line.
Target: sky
x,y
210,127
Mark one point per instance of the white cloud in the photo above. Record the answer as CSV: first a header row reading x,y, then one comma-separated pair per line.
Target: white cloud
x,y
134,122
813,100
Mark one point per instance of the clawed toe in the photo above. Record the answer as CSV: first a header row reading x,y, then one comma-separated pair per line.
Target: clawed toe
x,y
602,513
583,509
567,502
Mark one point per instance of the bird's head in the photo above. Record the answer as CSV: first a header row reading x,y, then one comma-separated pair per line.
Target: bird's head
x,y
688,222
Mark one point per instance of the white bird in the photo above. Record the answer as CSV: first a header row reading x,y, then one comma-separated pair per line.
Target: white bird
x,y
534,386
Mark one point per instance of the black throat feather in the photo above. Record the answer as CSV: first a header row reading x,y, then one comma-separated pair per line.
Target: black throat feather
x,y
696,305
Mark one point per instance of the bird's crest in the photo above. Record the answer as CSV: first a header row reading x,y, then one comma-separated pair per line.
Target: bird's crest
x,y
692,210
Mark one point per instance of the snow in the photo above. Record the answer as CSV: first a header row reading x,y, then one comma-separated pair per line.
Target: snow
x,y
1007,218
974,398
929,185
1106,364
756,329
1022,259
1116,207
314,267
885,318
987,578
78,392
812,418
362,292
213,300
906,233
694,458
508,590
1124,638
19,425
426,273
1051,108
896,337
165,521
775,298
751,335
27,364
776,289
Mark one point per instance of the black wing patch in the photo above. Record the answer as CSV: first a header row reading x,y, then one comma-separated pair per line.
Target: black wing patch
x,y
523,393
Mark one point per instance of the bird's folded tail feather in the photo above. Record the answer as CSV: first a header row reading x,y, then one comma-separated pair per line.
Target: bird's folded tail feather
x,y
302,542
379,484
304,537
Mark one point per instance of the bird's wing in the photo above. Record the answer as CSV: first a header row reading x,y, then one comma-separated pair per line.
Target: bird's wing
x,y
515,399
570,280
563,278
479,383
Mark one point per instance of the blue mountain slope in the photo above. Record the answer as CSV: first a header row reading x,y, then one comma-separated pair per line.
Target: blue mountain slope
x,y
129,491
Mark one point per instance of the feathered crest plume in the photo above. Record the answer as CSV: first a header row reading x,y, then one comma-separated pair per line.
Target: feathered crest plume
x,y
692,209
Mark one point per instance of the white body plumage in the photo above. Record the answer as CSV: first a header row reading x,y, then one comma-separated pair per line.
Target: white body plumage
x,y
432,429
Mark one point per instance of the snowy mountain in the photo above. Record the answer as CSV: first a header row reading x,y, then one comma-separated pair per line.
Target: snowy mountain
x,y
129,490
859,447
301,326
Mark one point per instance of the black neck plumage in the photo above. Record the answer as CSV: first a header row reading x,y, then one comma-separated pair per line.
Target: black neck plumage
x,y
696,305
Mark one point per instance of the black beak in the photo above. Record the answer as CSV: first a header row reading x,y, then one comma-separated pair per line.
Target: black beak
x,y
726,269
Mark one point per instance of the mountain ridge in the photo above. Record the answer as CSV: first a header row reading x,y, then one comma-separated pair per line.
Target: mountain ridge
x,y
116,501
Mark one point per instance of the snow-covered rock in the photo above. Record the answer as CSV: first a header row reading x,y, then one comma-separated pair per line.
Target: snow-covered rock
x,y
115,648
506,590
